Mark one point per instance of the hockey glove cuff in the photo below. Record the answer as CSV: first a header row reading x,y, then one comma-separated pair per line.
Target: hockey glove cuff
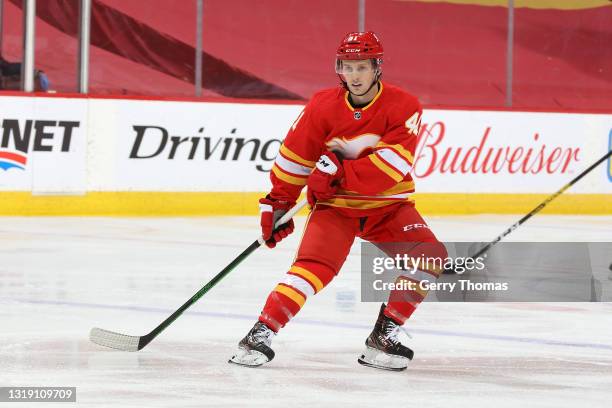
x,y
270,211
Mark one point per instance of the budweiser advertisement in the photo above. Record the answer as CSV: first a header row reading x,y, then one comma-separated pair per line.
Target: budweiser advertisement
x,y
505,152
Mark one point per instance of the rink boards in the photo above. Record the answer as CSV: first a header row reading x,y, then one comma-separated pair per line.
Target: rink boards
x,y
78,155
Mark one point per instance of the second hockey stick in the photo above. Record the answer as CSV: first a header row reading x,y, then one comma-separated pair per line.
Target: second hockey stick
x,y
125,342
536,210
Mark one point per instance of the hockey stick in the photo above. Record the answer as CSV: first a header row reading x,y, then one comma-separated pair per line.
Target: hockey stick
x,y
134,343
533,212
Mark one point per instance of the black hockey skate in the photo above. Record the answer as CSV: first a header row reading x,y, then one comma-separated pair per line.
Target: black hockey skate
x,y
254,349
383,349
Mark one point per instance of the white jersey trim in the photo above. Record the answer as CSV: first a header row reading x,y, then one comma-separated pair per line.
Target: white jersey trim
x,y
395,160
292,167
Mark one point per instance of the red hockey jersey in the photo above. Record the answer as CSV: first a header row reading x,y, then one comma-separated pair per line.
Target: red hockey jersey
x,y
377,143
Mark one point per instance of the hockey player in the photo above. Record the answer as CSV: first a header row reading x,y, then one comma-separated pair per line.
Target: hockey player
x,y
354,148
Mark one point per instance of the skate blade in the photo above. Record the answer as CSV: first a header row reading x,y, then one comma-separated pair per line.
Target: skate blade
x,y
377,359
248,358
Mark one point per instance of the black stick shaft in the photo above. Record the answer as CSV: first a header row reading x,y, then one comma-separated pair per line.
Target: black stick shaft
x,y
541,206
144,340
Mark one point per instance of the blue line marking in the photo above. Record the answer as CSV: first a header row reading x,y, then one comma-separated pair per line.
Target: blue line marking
x,y
441,333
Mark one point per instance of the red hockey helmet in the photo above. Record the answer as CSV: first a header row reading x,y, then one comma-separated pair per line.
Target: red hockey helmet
x,y
360,46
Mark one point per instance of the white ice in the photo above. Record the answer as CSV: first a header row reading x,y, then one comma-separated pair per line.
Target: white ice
x,y
59,277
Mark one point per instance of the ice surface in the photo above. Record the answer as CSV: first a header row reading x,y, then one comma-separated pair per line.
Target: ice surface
x,y
59,277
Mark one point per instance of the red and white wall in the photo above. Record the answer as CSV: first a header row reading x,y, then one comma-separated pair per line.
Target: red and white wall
x,y
129,156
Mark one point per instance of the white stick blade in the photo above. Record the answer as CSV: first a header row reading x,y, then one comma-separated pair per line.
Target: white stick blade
x,y
114,340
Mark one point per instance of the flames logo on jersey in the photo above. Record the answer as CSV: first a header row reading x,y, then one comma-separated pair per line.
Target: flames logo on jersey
x,y
353,148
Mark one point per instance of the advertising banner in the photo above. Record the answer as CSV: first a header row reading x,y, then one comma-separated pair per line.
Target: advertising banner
x,y
510,152
183,146
61,145
43,145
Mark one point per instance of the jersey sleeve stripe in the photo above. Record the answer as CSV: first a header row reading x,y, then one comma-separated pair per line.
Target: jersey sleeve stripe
x,y
399,149
399,188
388,170
395,160
292,167
284,150
295,180
402,196
291,294
362,204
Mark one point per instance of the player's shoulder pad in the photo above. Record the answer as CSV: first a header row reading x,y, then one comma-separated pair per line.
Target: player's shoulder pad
x,y
322,100
326,95
402,105
402,98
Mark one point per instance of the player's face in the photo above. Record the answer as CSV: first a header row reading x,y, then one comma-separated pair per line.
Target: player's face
x,y
358,75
